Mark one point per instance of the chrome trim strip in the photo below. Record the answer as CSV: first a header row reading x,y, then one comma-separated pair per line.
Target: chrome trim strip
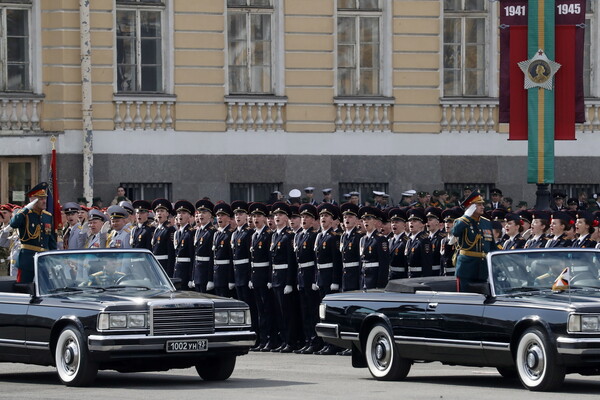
x,y
328,330
578,346
349,335
23,343
466,344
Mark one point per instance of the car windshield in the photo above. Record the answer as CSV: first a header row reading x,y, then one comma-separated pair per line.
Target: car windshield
x,y
527,271
99,270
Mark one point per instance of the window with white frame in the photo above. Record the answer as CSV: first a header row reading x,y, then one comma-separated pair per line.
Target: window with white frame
x,y
140,62
359,47
250,46
15,46
464,57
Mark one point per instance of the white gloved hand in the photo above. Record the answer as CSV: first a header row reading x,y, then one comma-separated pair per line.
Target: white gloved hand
x,y
269,285
315,287
191,284
30,205
231,286
298,287
250,285
334,287
105,228
7,229
287,289
210,286
469,211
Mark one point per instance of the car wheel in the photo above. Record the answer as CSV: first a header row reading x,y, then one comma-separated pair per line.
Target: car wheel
x,y
72,359
217,368
508,372
537,362
382,356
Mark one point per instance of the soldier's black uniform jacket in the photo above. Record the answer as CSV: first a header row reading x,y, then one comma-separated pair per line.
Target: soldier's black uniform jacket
x,y
436,244
223,268
184,253
560,241
329,259
447,250
304,245
375,261
350,250
283,259
516,242
141,236
585,242
260,244
162,247
398,264
241,239
203,259
536,243
418,255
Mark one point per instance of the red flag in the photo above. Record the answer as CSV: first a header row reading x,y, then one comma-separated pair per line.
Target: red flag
x,y
53,205
518,94
564,85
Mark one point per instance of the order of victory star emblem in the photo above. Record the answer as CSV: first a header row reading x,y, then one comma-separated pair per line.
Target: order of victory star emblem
x,y
539,71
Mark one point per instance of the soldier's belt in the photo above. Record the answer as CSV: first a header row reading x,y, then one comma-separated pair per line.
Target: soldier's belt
x,y
370,265
183,259
244,261
479,254
221,262
202,259
324,266
280,266
260,264
32,248
436,267
398,269
415,269
306,264
351,264
162,257
450,269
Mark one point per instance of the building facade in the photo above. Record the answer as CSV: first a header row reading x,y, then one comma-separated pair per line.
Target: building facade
x,y
236,98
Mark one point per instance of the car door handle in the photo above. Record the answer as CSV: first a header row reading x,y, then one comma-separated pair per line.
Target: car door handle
x,y
432,306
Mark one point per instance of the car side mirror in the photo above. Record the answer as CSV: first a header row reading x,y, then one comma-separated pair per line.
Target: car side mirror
x,y
177,283
481,288
27,288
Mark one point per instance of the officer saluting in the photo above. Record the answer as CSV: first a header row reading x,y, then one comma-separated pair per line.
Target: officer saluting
x,y
203,243
36,231
118,238
141,236
184,243
164,236
374,255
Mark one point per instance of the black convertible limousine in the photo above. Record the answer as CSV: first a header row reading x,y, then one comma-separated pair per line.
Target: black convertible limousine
x,y
117,309
537,318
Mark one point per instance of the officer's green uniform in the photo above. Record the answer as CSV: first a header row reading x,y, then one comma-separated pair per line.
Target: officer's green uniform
x,y
36,234
103,278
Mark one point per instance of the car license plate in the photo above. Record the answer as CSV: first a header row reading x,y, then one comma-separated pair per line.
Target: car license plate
x,y
180,346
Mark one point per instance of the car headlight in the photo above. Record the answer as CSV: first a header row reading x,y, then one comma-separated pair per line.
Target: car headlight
x,y
322,310
119,321
232,317
584,323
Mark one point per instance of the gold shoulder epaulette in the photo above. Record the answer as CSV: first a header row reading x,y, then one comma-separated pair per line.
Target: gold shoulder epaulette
x,y
46,212
484,218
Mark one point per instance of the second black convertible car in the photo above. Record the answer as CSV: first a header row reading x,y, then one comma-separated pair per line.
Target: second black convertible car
x,y
537,318
117,309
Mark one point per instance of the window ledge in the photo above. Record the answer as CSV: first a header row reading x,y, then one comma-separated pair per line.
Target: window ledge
x,y
144,111
20,112
255,113
363,113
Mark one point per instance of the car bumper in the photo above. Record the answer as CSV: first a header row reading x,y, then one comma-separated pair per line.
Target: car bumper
x,y
237,340
578,346
328,330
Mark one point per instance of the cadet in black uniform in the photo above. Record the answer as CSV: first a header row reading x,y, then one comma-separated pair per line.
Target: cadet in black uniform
x,y
184,243
448,244
418,247
241,239
350,247
261,275
374,254
561,222
164,236
540,223
434,229
584,226
203,243
397,243
284,276
513,229
223,279
141,235
304,245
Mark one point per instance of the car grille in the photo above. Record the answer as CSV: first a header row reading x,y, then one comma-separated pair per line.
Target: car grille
x,y
182,319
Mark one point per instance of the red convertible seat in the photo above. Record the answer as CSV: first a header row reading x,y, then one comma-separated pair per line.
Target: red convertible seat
x,y
7,283
433,283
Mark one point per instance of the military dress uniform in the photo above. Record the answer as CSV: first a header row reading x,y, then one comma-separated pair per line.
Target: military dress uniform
x,y
241,239
118,239
204,256
184,253
350,250
516,242
223,274
585,242
374,254
141,236
536,242
329,261
260,245
36,234
398,260
559,241
163,239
